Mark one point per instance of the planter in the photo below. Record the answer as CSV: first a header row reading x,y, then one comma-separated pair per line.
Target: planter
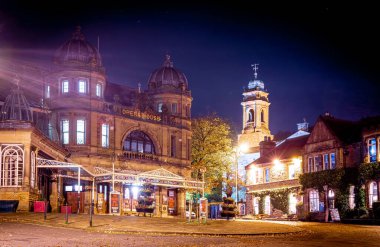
x,y
65,209
148,210
39,206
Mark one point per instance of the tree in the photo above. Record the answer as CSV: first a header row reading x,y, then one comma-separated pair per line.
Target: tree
x,y
212,149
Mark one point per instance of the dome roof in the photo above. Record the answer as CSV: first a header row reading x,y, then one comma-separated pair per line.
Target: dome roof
x,y
16,107
167,76
79,51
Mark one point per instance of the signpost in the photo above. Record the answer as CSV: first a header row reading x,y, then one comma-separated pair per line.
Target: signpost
x,y
334,213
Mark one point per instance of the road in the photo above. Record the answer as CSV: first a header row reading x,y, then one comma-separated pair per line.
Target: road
x,y
314,234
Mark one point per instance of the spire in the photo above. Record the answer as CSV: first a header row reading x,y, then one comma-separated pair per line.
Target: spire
x,y
255,68
78,35
167,62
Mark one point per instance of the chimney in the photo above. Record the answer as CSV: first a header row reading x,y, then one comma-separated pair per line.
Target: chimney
x,y
266,147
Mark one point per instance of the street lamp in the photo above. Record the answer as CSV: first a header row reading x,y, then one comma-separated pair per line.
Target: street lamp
x,y
242,148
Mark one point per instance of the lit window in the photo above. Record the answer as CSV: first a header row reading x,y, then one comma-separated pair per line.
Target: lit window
x,y
159,107
65,86
11,166
292,203
372,150
314,201
251,116
372,193
47,91
105,135
310,164
82,86
98,90
174,108
292,171
138,141
318,163
267,205
81,131
267,175
351,197
332,161
65,131
326,161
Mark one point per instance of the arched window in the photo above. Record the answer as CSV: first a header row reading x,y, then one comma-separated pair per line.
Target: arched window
x,y
11,166
138,141
262,116
251,115
372,193
32,169
314,201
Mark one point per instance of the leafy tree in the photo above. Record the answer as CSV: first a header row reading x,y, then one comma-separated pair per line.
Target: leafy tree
x,y
211,149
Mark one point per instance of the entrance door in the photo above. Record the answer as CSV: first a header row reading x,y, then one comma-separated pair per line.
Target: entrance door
x,y
172,202
72,199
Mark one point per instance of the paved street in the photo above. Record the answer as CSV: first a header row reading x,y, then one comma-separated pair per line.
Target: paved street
x,y
28,233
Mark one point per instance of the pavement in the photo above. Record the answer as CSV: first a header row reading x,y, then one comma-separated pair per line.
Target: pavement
x,y
153,225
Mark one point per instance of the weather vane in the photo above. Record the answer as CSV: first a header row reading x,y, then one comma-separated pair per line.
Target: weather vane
x,y
255,68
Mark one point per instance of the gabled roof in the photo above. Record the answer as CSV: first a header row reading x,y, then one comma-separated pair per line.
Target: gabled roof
x,y
346,131
288,149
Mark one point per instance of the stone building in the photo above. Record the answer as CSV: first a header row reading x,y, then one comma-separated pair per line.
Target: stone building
x,y
74,137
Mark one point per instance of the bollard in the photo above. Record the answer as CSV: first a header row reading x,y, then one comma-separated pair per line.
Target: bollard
x,y
66,215
45,209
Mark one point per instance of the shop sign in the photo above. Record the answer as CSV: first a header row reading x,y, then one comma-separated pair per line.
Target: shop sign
x,y
142,115
115,203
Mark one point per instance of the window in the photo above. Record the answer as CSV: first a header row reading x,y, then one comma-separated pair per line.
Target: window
x,y
81,134
262,116
98,91
332,161
47,91
11,166
267,205
65,86
318,163
172,146
314,201
267,175
292,171
310,164
351,197
159,107
65,131
174,108
138,141
105,135
372,193
256,205
32,169
251,115
292,203
326,163
82,86
372,150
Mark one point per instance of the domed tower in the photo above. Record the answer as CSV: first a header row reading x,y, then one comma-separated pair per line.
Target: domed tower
x,y
75,88
16,107
169,89
255,114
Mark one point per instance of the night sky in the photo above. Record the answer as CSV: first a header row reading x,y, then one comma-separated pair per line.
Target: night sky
x,y
313,59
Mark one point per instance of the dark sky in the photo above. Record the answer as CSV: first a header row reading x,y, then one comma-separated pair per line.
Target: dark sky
x,y
313,58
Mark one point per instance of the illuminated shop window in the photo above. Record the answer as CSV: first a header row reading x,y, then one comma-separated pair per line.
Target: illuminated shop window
x,y
105,135
373,196
314,201
82,86
372,150
65,86
65,126
81,134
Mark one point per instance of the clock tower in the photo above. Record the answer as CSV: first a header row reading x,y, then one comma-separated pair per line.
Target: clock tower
x,y
255,114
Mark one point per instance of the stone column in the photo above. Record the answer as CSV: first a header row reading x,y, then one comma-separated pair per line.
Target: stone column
x,y
158,201
164,203
26,182
54,194
181,202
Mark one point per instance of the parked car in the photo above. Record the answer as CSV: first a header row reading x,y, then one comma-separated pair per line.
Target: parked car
x,y
193,216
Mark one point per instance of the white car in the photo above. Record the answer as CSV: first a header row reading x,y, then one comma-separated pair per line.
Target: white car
x,y
193,216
